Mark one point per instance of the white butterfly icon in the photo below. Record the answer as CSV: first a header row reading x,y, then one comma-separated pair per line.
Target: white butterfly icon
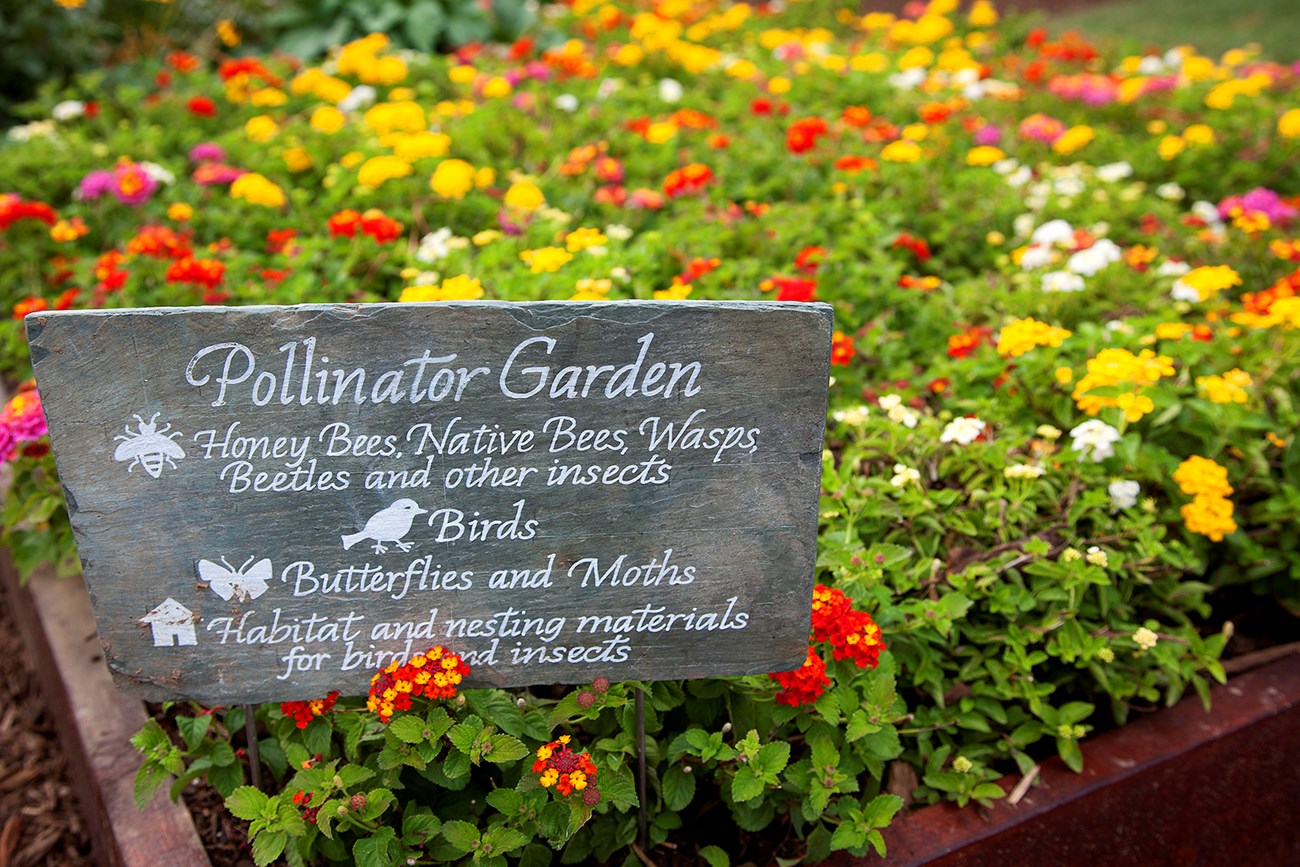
x,y
246,582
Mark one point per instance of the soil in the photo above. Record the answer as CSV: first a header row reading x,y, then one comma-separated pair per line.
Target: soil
x,y
39,818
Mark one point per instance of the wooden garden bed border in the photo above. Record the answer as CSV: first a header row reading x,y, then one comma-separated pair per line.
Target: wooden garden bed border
x,y
1179,786
95,723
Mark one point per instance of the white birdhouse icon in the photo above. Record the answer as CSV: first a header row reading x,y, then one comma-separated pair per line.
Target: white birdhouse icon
x,y
172,624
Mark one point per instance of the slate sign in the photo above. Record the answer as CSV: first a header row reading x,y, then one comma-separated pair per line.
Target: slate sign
x,y
273,502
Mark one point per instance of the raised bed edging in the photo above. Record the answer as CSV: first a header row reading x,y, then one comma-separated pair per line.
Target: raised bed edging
x,y
95,723
1181,786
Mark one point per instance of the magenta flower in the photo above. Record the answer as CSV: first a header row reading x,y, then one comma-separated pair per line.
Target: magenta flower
x,y
132,185
94,185
207,152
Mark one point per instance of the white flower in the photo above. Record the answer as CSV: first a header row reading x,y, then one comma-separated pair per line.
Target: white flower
x,y
1172,268
671,90
1182,292
427,278
1207,211
435,245
1145,638
159,174
28,131
904,476
854,415
1097,557
620,274
1006,167
1036,256
892,404
962,431
1068,186
1023,225
1062,281
1112,172
1094,439
1171,191
359,97
1091,260
1053,232
1019,177
68,109
618,231
1174,58
1023,471
1150,65
1123,493
566,102
908,78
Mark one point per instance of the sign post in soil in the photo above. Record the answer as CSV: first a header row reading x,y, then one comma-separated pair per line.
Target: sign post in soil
x,y
273,502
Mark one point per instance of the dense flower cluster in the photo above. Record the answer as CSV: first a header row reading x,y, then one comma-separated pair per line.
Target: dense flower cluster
x,y
560,767
1117,378
851,634
434,674
22,425
1210,511
303,712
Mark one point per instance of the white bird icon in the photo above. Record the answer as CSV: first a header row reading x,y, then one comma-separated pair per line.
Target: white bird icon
x,y
388,525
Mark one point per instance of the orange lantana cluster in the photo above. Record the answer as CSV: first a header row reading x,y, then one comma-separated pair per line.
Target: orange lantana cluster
x,y
436,673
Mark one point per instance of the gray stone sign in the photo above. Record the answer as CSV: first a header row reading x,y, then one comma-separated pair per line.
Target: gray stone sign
x,y
273,502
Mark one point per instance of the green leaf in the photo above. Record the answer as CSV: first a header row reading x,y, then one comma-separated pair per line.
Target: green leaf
x,y
880,811
377,801
408,729
351,775
772,758
678,788
317,736
504,748
1069,751
715,857
193,728
148,780
424,23
460,834
746,786
247,803
501,839
268,846
506,801
419,828
848,836
150,738
375,850
462,735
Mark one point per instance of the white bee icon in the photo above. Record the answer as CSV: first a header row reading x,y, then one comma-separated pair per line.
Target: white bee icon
x,y
148,447
227,581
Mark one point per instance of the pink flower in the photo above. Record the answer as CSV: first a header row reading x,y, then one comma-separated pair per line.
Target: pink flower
x,y
207,152
94,185
132,185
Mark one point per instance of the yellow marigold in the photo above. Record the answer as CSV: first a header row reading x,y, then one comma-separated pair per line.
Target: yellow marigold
x,y
982,14
1209,516
1073,139
268,97
462,74
261,128
524,196
546,259
462,287
1198,476
485,177
1228,388
1022,335
298,159
376,170
418,145
402,116
1170,146
1210,279
256,189
592,290
584,239
901,152
497,87
1288,125
1199,134
984,155
916,57
452,179
327,119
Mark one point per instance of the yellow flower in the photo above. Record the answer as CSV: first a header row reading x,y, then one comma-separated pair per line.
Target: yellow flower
x,y
1209,516
228,33
1209,279
1197,475
984,155
678,291
660,131
418,145
462,74
1022,335
462,287
485,237
982,14
268,97
497,87
1228,388
352,159
592,290
452,179
386,117
485,177
917,56
583,239
256,189
261,128
546,259
1064,375
1121,376
1073,139
901,152
298,159
1170,146
179,211
327,119
779,85
1199,134
1288,125
376,170
524,196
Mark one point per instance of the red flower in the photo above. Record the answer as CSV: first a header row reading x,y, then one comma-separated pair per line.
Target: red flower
x,y
202,106
303,712
13,208
802,135
200,272
378,225
907,241
344,223
809,259
794,288
963,344
182,61
805,684
842,349
688,179
697,268
32,304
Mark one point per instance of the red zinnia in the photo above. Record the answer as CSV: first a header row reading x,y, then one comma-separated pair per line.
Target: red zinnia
x,y
202,106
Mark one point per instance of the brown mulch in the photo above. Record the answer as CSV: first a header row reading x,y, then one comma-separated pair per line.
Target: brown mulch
x,y
39,818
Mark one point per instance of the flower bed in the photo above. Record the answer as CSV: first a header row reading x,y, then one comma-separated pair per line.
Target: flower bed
x,y
1059,430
